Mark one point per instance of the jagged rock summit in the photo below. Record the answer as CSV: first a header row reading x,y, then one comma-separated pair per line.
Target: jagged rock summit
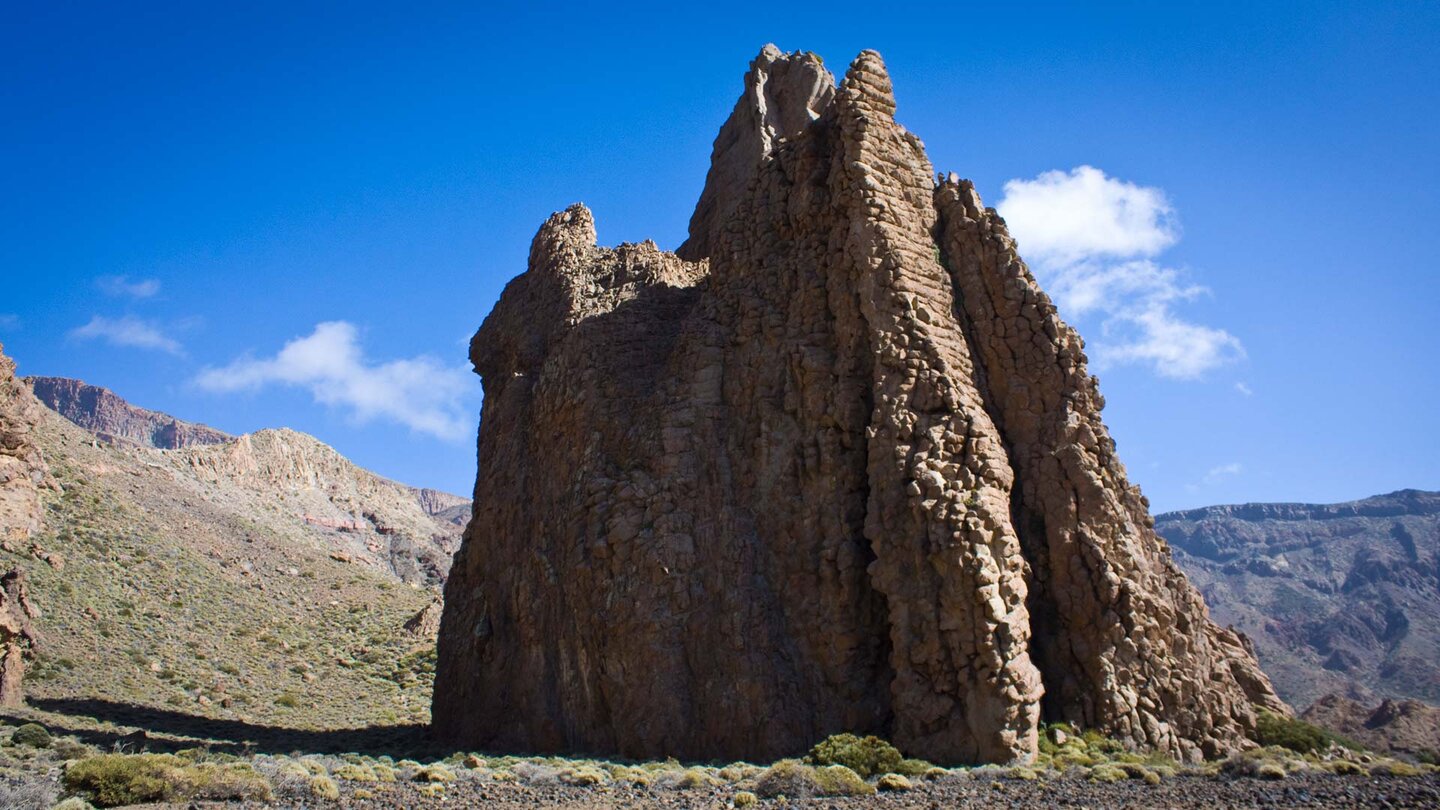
x,y
836,466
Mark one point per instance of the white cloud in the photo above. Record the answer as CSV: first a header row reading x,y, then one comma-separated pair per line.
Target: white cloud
x,y
122,286
1092,241
419,393
1217,474
1244,389
127,331
9,320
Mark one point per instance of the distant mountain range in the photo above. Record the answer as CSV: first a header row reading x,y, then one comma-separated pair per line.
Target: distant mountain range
x,y
412,532
1338,598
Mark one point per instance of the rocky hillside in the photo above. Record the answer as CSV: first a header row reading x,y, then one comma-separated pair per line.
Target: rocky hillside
x,y
24,476
265,580
362,517
1338,598
835,465
101,412
1402,726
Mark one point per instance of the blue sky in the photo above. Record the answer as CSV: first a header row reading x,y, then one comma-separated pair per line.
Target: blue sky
x,y
188,189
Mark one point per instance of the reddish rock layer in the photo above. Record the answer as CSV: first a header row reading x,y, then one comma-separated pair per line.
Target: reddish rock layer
x,y
843,471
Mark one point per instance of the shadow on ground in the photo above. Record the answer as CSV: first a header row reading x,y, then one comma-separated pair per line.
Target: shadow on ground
x,y
167,730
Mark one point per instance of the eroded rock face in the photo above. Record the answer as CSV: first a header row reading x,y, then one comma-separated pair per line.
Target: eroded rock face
x,y
843,470
23,472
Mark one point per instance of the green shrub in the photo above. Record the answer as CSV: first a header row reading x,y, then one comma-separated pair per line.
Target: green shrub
x,y
1107,772
355,773
1270,770
693,778
584,776
913,767
1395,768
866,756
1287,732
435,773
31,734
739,771
1428,756
838,780
74,803
893,782
111,780
1344,767
1020,772
221,782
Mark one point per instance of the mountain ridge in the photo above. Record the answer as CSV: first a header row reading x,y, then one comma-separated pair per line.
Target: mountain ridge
x,y
1337,598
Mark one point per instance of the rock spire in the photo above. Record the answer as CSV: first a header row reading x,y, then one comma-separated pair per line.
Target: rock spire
x,y
836,466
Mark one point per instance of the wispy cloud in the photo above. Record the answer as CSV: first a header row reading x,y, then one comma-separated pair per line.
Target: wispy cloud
x,y
123,287
129,332
1244,389
9,320
1092,240
1217,474
419,392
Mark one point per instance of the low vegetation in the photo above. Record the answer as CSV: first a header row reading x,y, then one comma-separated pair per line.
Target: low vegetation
x,y
167,602
114,780
67,769
1297,735
866,756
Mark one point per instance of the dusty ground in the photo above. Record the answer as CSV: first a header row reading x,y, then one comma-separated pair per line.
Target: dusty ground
x,y
1207,792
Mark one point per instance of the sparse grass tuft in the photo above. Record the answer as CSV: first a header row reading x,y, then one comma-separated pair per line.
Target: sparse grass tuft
x,y
323,787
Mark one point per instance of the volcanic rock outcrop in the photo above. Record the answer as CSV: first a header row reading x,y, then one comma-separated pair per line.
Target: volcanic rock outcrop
x,y
836,465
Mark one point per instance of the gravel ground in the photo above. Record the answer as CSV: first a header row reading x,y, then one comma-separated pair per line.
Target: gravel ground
x,y
1212,793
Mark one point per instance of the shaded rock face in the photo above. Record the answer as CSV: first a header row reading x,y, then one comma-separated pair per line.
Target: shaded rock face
x,y
1337,597
23,472
111,418
841,470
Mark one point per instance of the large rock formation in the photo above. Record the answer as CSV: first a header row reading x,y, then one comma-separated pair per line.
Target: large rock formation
x,y
111,418
841,468
1337,597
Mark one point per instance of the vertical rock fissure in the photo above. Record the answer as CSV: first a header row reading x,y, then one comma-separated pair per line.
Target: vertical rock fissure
x,y
1028,525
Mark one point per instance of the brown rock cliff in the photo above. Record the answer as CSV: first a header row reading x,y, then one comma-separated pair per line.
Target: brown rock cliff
x,y
841,471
